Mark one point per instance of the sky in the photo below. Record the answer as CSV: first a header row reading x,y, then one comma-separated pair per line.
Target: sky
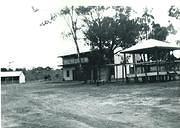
x,y
25,44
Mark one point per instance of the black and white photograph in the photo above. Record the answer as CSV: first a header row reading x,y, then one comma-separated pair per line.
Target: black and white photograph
x,y
90,63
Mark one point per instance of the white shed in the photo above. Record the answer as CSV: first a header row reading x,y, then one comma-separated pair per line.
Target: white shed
x,y
12,77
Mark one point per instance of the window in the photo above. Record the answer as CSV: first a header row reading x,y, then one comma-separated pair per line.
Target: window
x,y
67,73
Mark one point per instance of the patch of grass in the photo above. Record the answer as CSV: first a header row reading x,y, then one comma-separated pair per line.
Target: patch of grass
x,y
74,105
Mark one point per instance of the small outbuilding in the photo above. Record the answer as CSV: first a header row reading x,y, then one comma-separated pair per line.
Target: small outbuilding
x,y
12,77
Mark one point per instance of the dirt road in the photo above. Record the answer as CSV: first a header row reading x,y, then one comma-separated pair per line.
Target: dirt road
x,y
66,105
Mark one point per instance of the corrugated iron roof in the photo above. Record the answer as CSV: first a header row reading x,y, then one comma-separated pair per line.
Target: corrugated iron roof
x,y
150,44
72,54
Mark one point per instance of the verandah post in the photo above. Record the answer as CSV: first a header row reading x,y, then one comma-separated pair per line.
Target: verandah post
x,y
122,72
116,66
157,65
125,67
134,65
145,68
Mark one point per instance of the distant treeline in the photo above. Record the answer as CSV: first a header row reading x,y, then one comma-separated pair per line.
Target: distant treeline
x,y
39,73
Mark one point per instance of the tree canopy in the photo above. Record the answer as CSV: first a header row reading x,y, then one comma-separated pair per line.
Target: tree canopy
x,y
158,32
174,12
109,32
110,27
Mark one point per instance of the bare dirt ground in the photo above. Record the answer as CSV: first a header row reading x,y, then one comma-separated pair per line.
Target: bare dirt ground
x,y
67,105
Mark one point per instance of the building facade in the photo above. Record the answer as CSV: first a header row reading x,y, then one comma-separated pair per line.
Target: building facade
x,y
92,69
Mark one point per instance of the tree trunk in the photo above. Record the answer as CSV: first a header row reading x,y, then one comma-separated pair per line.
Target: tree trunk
x,y
78,52
74,33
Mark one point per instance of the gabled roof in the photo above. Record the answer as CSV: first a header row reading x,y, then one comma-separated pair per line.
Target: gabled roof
x,y
10,74
73,54
149,45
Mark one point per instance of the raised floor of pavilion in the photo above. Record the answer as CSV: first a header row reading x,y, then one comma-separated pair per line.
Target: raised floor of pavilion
x,y
152,71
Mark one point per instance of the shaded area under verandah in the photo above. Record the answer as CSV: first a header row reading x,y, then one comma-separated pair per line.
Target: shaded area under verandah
x,y
157,62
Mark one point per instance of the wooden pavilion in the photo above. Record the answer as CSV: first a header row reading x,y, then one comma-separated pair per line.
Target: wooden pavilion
x,y
157,62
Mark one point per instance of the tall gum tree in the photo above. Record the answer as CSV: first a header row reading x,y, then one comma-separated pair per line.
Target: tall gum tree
x,y
174,11
146,21
70,16
113,31
72,19
108,32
